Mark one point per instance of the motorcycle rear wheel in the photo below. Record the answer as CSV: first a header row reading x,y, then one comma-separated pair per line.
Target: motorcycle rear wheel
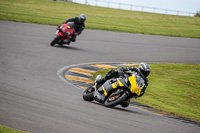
x,y
55,40
112,100
88,94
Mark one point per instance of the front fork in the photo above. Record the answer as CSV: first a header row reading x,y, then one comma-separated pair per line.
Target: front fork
x,y
64,41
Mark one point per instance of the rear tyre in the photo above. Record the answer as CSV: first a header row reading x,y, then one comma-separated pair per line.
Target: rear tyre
x,y
114,100
88,94
55,40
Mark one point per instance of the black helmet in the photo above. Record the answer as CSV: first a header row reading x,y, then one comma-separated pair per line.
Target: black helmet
x,y
144,69
82,17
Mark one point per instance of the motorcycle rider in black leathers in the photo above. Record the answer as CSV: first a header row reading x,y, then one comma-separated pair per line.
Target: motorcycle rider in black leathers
x,y
142,71
80,25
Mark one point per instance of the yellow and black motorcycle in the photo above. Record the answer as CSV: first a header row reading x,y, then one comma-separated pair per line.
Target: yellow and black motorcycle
x,y
115,91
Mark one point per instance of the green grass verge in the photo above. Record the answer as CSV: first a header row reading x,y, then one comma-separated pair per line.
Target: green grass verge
x,y
54,13
4,129
174,89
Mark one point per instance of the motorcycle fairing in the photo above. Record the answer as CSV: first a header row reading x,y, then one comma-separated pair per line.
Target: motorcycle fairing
x,y
71,25
67,30
113,84
104,90
134,88
117,84
106,87
109,85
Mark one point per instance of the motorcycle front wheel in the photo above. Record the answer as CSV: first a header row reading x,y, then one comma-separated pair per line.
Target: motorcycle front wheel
x,y
88,94
55,40
115,98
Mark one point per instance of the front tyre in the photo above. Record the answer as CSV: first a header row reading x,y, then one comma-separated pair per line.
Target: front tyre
x,y
55,40
115,99
88,94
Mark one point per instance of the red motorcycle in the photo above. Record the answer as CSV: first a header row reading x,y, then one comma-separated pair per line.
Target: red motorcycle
x,y
64,34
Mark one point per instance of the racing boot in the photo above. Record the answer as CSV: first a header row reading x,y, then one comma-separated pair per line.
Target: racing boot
x,y
66,41
125,103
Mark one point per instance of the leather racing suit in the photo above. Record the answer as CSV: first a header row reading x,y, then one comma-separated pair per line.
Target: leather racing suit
x,y
142,82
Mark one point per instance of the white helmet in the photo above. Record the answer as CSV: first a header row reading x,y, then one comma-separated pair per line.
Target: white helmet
x,y
144,69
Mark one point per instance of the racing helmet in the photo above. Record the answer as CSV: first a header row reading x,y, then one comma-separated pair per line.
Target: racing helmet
x,y
144,69
82,18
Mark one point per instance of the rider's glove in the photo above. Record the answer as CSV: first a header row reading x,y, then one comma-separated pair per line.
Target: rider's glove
x,y
111,73
64,22
120,71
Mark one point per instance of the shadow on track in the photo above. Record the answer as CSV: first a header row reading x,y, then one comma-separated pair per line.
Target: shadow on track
x,y
117,108
70,47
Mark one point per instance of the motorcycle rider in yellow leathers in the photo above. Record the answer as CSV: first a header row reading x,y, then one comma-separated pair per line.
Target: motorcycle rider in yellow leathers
x,y
141,73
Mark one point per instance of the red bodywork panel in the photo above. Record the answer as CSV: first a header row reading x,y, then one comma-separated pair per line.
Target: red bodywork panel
x,y
67,32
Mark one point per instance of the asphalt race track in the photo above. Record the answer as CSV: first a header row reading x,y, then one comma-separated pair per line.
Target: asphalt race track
x,y
33,98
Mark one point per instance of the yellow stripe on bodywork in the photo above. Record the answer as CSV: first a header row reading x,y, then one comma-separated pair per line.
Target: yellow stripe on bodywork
x,y
114,86
105,93
134,88
104,66
120,83
69,77
79,70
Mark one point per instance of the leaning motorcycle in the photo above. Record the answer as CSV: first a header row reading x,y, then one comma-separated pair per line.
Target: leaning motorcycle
x,y
113,92
64,34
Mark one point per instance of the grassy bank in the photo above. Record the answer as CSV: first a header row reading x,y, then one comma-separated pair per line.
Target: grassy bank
x,y
54,13
4,129
173,88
